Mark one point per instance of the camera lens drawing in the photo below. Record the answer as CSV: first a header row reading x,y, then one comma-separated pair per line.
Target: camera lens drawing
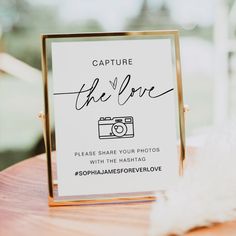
x,y
116,127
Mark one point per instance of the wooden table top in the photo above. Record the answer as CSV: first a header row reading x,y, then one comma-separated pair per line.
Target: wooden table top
x,y
24,210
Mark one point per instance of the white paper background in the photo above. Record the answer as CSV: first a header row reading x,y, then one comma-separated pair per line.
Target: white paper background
x,y
154,119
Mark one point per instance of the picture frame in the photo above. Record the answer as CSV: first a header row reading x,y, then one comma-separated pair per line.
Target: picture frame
x,y
97,41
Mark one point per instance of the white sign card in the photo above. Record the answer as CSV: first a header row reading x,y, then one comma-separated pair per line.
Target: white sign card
x,y
115,113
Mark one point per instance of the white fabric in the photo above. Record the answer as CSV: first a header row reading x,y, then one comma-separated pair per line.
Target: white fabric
x,y
207,192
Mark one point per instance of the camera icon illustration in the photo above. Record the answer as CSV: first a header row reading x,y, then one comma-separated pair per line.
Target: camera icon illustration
x,y
116,127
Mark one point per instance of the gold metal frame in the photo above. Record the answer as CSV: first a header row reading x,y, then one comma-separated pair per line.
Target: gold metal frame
x,y
53,199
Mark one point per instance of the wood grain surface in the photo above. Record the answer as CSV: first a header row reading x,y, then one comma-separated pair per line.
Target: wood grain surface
x,y
24,210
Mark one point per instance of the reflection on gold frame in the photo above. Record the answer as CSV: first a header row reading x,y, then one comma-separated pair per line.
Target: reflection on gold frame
x,y
54,199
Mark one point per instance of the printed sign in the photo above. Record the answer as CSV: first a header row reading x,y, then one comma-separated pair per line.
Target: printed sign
x,y
115,112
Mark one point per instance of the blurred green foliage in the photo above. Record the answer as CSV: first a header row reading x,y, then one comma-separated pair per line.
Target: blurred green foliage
x,y
23,23
160,19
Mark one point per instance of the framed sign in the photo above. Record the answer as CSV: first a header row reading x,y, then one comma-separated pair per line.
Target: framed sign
x,y
113,114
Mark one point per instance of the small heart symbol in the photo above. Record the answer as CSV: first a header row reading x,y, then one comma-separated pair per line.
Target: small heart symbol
x,y
114,83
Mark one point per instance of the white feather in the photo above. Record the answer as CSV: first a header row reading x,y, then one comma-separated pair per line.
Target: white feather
x,y
206,194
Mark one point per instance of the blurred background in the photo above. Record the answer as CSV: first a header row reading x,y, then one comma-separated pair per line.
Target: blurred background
x,y
208,53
